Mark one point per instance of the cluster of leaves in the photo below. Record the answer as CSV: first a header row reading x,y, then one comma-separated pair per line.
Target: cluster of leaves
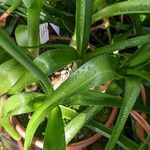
x,y
21,65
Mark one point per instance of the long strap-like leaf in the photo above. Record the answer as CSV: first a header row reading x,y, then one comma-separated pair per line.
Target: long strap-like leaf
x,y
122,141
55,131
132,89
83,22
127,7
97,98
140,40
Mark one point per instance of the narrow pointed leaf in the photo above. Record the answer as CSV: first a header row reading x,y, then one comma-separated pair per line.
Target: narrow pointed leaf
x,y
119,46
97,98
54,138
22,103
140,56
132,89
33,22
10,72
126,7
35,121
140,73
123,141
83,22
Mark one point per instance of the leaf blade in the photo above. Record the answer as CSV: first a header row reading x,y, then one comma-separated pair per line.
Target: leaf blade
x,y
132,89
122,141
55,131
83,22
126,7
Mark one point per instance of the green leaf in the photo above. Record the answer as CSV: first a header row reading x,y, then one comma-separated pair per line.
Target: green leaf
x,y
92,73
16,52
48,62
123,141
119,46
140,56
73,127
35,121
132,89
33,7
29,102
97,98
140,73
4,56
83,22
21,34
23,103
126,7
54,138
10,72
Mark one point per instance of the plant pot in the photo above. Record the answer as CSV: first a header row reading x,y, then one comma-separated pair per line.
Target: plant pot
x,y
75,146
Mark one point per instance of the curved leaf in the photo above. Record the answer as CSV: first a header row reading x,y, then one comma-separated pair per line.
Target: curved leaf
x,y
22,103
119,46
122,141
10,72
97,98
126,7
132,89
140,56
35,121
54,138
48,62
140,73
21,34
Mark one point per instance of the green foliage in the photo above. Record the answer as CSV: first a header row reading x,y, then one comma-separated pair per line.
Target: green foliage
x,y
55,131
83,22
121,67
